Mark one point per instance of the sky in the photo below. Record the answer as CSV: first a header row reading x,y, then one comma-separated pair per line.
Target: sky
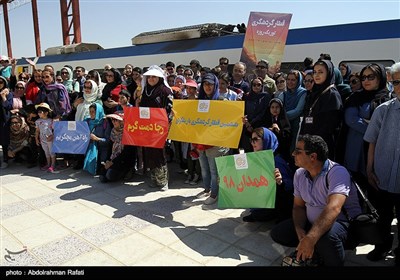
x,y
113,24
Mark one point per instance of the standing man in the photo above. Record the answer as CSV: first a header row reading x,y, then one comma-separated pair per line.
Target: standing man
x,y
224,63
262,71
322,188
383,165
80,77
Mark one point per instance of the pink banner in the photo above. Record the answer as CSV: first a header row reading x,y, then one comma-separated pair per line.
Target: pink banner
x,y
265,39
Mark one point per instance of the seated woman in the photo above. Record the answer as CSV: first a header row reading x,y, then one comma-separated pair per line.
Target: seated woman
x,y
122,157
19,148
264,139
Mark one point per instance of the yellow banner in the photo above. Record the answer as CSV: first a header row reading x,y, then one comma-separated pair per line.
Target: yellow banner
x,y
208,122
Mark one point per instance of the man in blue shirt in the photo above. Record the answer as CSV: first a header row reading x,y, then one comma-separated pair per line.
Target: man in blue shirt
x,y
318,226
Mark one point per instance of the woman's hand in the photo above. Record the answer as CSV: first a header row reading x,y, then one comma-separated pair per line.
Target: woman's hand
x,y
108,164
278,176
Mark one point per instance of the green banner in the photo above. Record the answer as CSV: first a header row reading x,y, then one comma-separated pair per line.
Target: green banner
x,y
247,180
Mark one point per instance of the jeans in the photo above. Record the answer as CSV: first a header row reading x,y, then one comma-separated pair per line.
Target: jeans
x,y
209,172
330,247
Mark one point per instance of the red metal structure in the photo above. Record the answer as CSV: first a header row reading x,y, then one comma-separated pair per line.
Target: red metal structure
x,y
4,3
70,21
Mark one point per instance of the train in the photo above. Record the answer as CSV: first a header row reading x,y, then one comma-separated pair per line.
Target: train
x,y
354,43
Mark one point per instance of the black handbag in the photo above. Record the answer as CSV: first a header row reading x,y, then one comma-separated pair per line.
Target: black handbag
x,y
364,227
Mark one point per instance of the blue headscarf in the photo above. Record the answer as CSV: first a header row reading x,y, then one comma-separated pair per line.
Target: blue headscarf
x,y
211,78
270,142
98,118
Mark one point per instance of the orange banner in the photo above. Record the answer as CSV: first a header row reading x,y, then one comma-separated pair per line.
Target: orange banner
x,y
265,38
146,127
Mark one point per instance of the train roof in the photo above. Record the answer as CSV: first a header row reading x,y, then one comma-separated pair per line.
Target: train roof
x,y
387,29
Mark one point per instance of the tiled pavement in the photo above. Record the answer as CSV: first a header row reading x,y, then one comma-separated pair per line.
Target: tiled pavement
x,y
72,219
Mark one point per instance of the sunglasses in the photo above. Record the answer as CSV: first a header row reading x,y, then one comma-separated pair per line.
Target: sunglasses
x,y
254,139
395,82
223,63
355,81
370,77
298,151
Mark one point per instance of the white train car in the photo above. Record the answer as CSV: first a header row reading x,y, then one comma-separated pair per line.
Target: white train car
x,y
356,43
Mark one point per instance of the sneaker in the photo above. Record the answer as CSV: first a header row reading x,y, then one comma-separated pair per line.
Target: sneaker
x,y
210,200
52,170
205,193
165,187
4,165
196,179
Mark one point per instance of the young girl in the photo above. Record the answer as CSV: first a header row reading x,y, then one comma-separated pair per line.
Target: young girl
x,y
44,135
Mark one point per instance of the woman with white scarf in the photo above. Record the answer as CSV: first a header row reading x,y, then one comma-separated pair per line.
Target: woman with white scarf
x,y
90,96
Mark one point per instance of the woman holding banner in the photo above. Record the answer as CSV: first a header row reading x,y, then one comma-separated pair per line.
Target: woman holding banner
x,y
156,93
264,139
207,154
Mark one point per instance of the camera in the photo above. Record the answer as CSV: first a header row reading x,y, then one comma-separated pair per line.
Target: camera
x,y
292,261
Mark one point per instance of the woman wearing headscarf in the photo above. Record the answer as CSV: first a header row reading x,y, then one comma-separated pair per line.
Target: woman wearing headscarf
x,y
277,121
255,109
293,100
122,156
358,111
89,97
19,148
100,131
156,93
359,108
33,87
264,139
110,95
71,86
207,154
5,114
55,95
19,101
323,111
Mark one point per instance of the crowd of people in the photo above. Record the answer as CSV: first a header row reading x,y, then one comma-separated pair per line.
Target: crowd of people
x,y
323,124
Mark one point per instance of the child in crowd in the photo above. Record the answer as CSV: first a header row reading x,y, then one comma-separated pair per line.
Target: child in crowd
x,y
44,135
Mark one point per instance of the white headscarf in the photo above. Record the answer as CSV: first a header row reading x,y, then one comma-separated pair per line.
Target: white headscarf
x,y
82,110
